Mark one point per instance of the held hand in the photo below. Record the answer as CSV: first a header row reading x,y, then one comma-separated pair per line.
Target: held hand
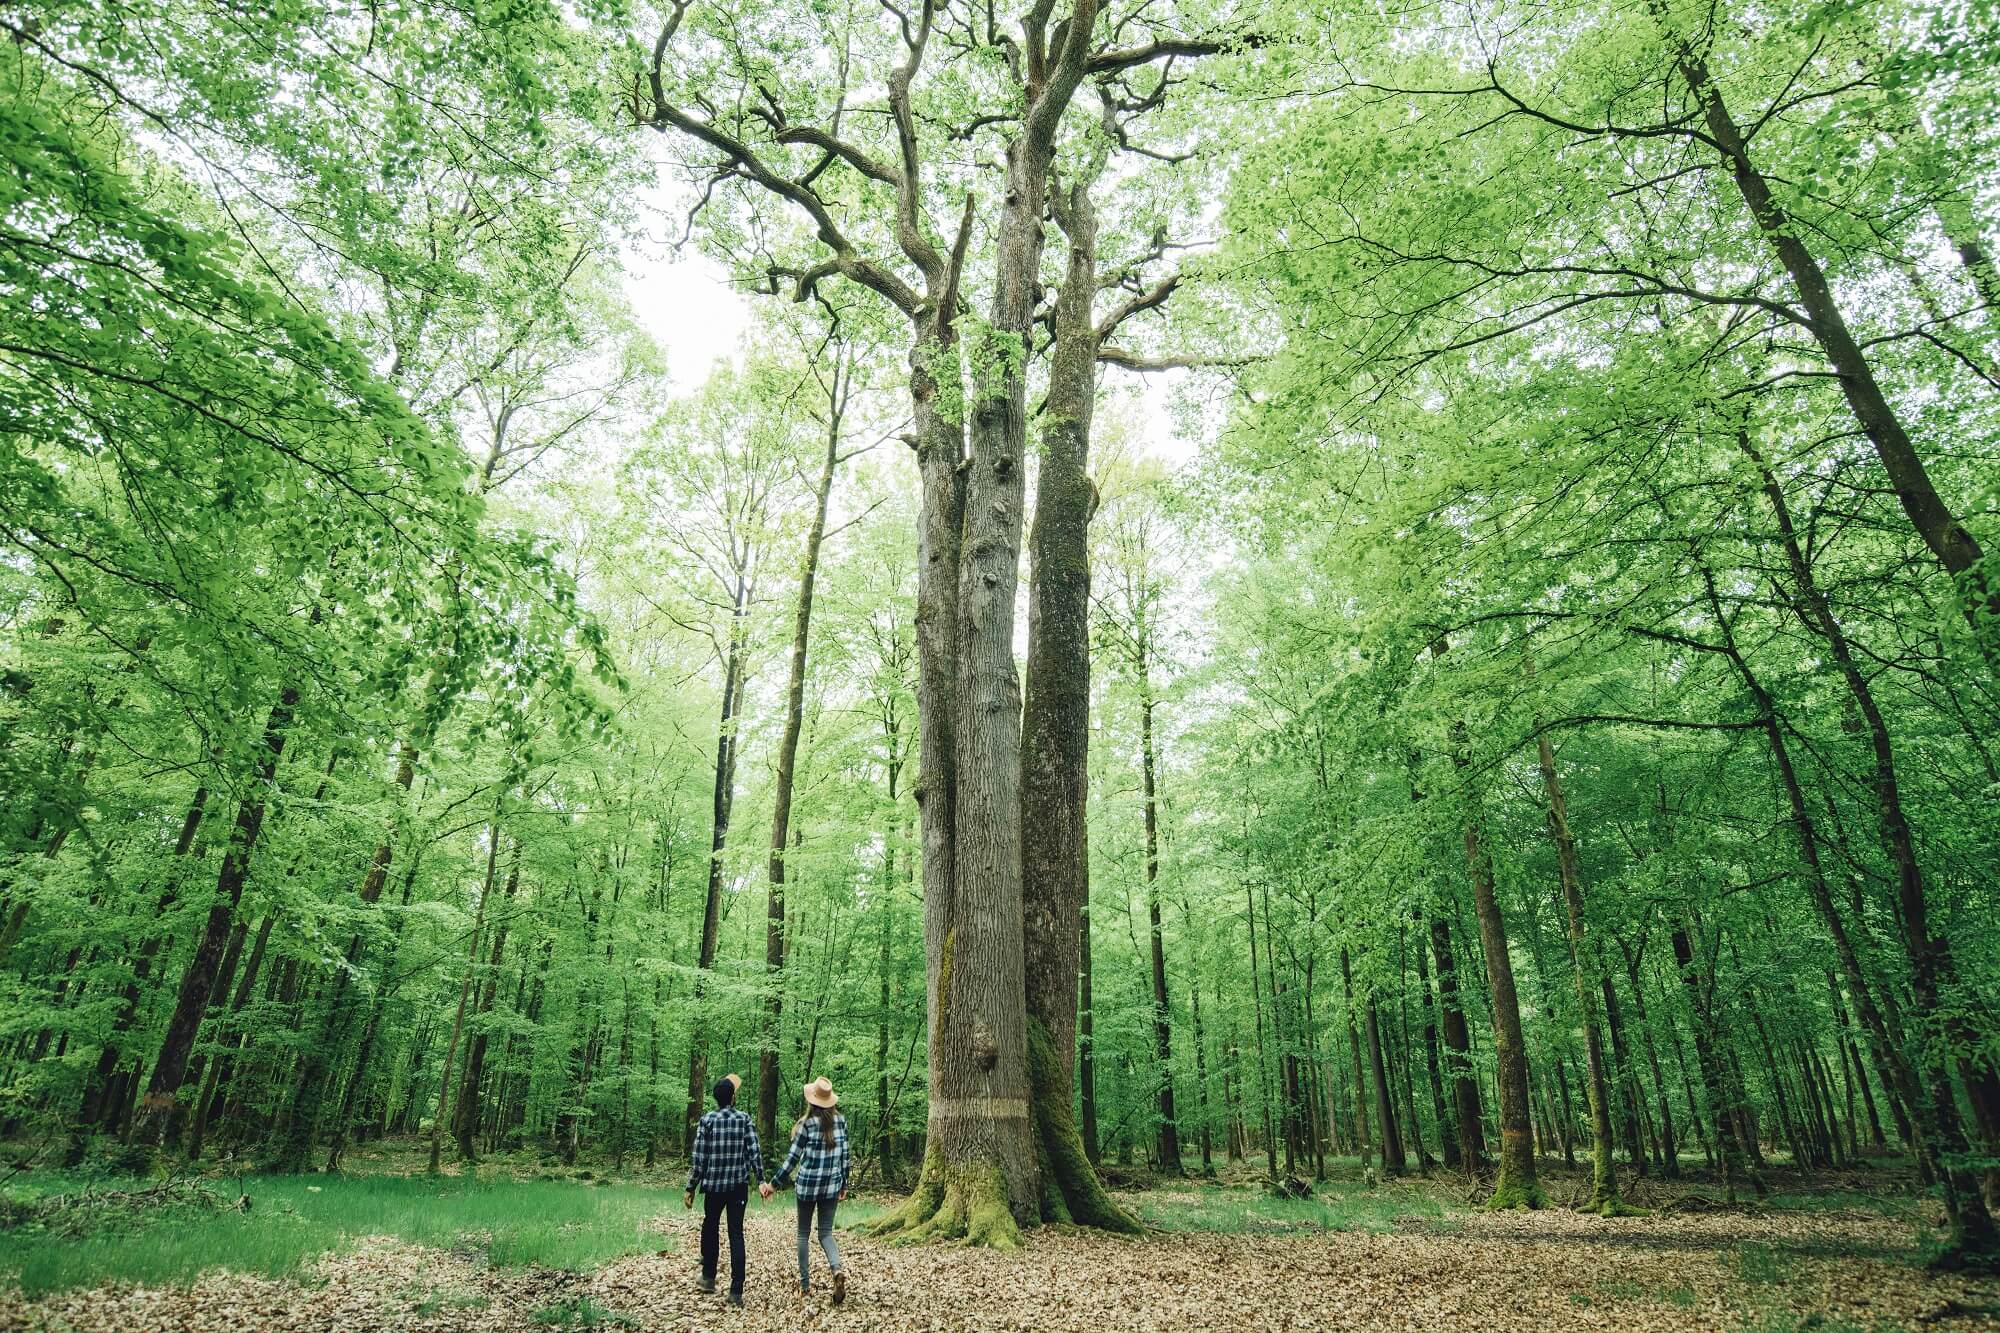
x,y
765,1191
687,1200
842,1198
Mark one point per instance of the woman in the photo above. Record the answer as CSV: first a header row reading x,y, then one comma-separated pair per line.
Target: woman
x,y
818,1161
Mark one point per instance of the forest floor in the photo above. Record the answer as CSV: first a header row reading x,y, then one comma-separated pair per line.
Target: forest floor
x,y
1404,1255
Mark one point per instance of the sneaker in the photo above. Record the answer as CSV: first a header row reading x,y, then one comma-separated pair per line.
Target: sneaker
x,y
735,1298
839,1286
706,1286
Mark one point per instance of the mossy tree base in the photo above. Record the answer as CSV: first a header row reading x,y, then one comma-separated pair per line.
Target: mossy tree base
x,y
1614,1207
1512,1194
1071,1190
953,1203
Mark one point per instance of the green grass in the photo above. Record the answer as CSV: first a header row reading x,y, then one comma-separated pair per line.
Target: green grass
x,y
1624,1289
1838,1201
1760,1265
581,1312
293,1219
1335,1208
856,1212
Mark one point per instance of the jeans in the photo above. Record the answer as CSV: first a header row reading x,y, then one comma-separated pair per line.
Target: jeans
x,y
824,1208
713,1205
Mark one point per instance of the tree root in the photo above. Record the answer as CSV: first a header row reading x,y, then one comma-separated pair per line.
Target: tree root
x,y
1509,1195
966,1204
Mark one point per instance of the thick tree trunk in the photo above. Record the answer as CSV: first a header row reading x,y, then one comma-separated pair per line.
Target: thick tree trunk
x,y
198,982
1055,739
1517,1185
980,1178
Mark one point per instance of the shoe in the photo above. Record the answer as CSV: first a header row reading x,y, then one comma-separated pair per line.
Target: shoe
x,y
706,1286
839,1286
735,1298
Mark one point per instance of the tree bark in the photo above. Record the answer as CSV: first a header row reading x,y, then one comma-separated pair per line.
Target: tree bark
x,y
465,1116
198,982
464,990
1604,1171
1941,529
1055,739
1517,1185
837,389
1467,1115
723,800
1163,1043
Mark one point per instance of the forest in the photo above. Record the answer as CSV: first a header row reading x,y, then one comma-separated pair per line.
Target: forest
x,y
1341,662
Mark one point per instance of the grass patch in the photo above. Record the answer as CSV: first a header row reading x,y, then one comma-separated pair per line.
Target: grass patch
x,y
859,1212
1760,1265
1624,1289
291,1220
581,1312
1237,1211
1837,1201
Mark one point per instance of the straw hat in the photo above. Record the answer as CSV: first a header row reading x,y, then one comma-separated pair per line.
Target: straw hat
x,y
820,1093
734,1081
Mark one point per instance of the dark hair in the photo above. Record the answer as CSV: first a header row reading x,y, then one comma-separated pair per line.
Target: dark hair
x,y
725,1093
823,1114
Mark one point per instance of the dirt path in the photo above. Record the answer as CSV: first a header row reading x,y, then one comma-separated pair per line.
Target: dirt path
x,y
1522,1271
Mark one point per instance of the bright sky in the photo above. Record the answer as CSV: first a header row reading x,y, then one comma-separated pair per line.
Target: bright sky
x,y
685,301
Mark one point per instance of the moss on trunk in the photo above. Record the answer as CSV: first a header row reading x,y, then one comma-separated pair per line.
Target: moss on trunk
x,y
961,1203
1071,1191
1517,1186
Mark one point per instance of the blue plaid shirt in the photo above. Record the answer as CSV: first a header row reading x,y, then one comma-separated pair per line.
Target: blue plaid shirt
x,y
821,1167
726,1155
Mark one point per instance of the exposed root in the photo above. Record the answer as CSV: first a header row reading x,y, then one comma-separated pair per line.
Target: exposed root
x,y
1510,1194
966,1204
1614,1207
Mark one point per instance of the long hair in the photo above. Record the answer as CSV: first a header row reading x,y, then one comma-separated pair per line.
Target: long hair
x,y
823,1114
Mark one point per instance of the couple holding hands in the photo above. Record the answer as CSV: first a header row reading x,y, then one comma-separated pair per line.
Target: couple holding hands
x,y
727,1160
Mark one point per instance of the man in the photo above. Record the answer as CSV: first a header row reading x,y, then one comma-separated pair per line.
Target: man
x,y
725,1162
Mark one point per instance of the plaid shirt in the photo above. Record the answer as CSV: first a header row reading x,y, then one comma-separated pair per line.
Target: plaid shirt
x,y
726,1155
821,1168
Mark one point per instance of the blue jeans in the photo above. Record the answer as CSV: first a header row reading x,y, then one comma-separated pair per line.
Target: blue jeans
x,y
824,1208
